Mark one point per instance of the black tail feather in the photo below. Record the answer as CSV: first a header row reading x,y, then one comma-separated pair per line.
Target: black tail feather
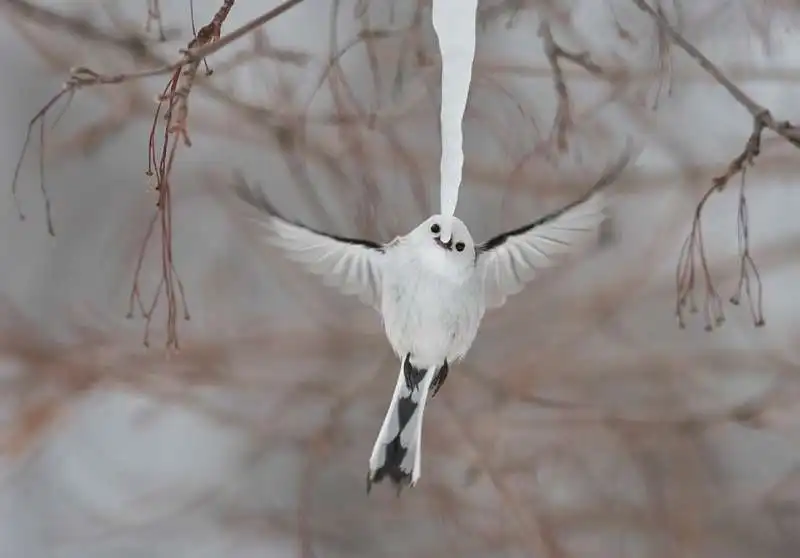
x,y
438,380
394,450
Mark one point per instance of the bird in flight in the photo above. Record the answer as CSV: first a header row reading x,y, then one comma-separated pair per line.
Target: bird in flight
x,y
432,287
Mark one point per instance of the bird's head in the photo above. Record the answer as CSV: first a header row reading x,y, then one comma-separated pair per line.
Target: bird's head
x,y
445,238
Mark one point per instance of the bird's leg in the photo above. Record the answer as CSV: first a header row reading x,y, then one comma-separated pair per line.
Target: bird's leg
x,y
411,374
438,380
408,371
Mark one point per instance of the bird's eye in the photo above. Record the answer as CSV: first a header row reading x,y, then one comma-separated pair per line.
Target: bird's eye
x,y
435,228
460,246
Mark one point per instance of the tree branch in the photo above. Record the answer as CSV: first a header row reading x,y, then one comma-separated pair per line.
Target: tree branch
x,y
554,53
174,100
693,250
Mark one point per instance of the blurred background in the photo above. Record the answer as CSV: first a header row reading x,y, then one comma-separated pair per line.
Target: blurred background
x,y
583,423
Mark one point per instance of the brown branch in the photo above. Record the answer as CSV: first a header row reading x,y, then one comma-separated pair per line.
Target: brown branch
x,y
664,62
85,77
693,251
160,163
197,51
154,16
124,109
183,72
78,26
554,53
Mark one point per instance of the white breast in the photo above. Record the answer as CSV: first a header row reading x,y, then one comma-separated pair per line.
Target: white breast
x,y
427,313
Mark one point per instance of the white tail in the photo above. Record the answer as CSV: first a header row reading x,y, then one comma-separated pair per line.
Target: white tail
x,y
397,452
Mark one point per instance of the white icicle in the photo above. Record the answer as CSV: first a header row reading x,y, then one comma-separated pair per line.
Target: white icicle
x,y
454,23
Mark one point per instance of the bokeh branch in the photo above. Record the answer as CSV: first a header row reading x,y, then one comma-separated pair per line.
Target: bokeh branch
x,y
555,53
154,17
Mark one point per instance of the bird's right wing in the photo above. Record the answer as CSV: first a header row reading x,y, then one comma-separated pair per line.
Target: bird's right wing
x,y
352,265
509,260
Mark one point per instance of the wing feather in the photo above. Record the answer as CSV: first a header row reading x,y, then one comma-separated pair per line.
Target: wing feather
x,y
352,265
510,260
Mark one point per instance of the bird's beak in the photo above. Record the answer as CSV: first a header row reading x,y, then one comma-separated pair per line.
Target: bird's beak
x,y
446,245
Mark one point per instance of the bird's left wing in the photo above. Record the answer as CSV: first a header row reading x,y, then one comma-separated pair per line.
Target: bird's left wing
x,y
509,260
352,265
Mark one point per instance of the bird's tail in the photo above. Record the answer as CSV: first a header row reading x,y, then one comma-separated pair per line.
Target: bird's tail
x,y
398,450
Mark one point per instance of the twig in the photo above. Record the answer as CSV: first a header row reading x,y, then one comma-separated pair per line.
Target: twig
x,y
194,33
554,52
176,95
78,26
85,77
154,15
664,62
693,249
183,72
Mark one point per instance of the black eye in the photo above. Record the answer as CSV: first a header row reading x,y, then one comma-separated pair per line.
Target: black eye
x,y
435,228
460,246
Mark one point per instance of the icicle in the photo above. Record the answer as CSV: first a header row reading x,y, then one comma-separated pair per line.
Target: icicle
x,y
454,23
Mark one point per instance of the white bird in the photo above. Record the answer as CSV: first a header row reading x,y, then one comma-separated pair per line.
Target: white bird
x,y
432,294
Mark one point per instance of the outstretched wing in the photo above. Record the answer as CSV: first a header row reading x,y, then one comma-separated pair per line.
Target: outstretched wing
x,y
511,259
351,265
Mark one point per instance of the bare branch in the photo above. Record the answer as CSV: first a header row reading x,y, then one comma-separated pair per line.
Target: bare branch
x,y
176,95
154,16
207,41
554,53
693,250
